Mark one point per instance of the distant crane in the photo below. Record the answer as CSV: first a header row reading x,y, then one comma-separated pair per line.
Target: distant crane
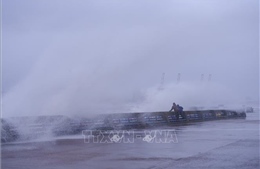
x,y
209,78
202,78
178,78
161,87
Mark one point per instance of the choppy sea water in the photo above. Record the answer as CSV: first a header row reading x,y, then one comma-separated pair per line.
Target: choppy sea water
x,y
232,143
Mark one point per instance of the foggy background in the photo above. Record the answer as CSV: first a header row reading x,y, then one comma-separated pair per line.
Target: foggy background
x,y
107,56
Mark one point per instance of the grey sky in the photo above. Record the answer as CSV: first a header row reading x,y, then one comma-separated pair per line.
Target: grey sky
x,y
76,56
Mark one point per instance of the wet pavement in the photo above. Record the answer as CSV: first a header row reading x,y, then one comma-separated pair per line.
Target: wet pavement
x,y
232,143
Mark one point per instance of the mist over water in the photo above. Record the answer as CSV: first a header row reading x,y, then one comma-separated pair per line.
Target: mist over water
x,y
71,94
74,79
68,79
190,95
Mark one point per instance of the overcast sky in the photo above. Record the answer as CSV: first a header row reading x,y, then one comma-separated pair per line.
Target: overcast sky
x,y
81,56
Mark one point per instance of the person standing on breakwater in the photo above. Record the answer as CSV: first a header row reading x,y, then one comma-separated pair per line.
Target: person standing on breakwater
x,y
175,108
178,110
